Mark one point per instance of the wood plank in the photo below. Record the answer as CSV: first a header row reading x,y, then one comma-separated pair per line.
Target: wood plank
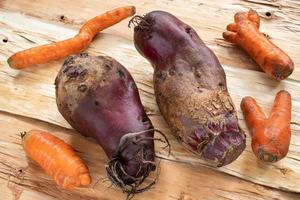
x,y
26,92
31,93
209,18
22,179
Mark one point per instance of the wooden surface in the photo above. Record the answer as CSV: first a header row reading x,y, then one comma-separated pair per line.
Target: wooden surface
x,y
30,96
179,181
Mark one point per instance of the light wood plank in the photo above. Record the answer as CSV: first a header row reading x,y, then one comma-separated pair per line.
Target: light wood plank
x,y
31,93
208,17
22,179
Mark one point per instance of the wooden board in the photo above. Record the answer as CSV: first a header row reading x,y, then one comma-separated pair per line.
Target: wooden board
x,y
30,93
19,177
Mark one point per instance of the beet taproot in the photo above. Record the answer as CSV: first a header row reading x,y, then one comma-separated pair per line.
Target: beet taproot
x,y
100,99
190,87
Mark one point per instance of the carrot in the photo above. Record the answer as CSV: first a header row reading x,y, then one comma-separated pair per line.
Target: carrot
x,y
58,50
57,158
270,136
245,33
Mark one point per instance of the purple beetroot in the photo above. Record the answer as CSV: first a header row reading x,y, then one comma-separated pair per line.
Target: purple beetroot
x,y
190,87
99,98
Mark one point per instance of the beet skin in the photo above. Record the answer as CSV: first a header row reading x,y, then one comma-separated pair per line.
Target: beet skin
x,y
190,87
99,98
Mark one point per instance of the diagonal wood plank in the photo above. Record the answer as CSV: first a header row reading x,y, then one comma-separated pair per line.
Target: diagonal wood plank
x,y
31,93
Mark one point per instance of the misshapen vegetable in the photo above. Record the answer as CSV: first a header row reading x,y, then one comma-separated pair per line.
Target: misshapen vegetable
x,y
270,136
99,98
58,159
190,87
245,33
58,50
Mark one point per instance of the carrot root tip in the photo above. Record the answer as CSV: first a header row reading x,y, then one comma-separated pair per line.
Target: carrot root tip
x,y
133,10
285,92
9,61
266,156
85,179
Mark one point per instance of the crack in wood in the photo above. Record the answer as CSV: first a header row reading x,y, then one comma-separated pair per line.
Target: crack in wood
x,y
295,123
27,39
265,3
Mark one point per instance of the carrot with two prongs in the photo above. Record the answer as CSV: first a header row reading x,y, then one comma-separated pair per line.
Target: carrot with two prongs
x,y
245,33
270,136
57,158
58,50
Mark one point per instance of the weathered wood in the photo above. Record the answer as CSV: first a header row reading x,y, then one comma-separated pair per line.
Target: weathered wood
x,y
21,178
208,17
31,92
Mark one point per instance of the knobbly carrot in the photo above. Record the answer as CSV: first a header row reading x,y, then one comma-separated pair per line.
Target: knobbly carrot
x,y
57,158
245,33
55,51
270,136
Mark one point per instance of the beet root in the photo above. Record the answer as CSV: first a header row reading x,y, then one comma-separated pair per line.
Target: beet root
x,y
99,98
190,87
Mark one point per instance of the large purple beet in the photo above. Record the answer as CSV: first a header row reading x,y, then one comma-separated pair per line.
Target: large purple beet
x,y
99,98
190,87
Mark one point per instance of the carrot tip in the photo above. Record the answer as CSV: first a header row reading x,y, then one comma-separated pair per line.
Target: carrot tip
x,y
265,156
9,61
85,179
252,11
133,10
247,98
284,91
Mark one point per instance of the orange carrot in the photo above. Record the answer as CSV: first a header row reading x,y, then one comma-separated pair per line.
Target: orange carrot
x,y
55,51
57,158
245,33
270,136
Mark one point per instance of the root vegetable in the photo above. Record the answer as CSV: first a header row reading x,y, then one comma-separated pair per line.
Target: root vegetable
x,y
245,33
57,158
190,87
100,99
270,136
58,50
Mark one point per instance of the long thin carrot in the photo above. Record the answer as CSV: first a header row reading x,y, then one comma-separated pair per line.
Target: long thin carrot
x,y
245,33
270,136
57,158
59,50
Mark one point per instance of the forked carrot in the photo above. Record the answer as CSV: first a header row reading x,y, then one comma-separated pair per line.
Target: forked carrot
x,y
58,50
270,136
245,33
57,158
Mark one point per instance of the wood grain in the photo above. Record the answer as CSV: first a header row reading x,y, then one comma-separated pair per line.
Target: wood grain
x,y
31,92
208,17
21,178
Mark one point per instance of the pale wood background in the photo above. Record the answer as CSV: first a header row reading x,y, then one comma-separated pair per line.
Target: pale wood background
x,y
27,98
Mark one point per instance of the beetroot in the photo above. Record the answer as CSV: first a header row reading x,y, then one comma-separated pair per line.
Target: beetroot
x,y
99,98
190,87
